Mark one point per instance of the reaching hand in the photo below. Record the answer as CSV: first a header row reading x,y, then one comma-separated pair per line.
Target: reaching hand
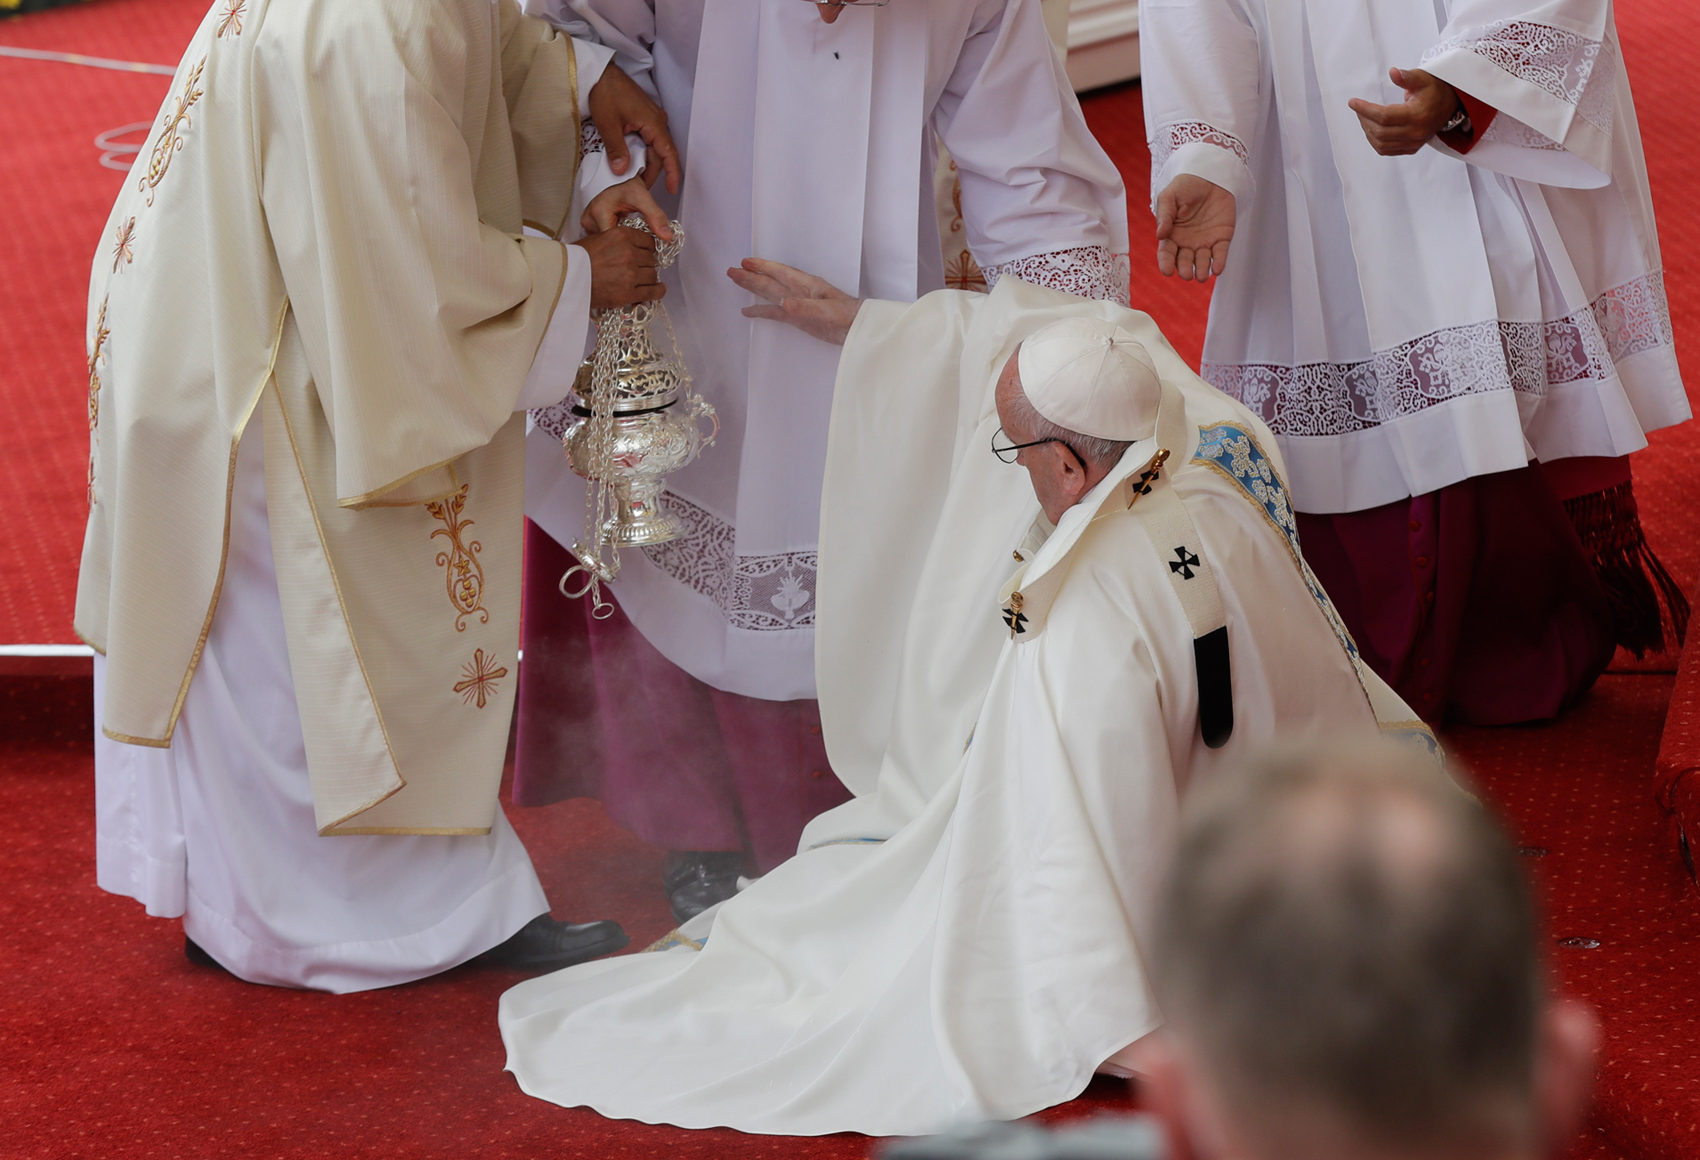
x,y
617,107
813,305
1395,130
630,196
1195,223
622,268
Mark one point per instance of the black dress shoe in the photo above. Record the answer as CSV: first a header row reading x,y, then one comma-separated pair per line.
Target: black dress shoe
x,y
697,879
544,944
193,952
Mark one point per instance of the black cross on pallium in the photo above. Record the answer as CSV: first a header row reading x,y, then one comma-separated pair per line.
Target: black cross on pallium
x,y
1185,564
1143,487
1017,621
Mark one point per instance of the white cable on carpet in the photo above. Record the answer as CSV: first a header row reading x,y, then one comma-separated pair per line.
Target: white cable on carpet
x,y
120,155
163,70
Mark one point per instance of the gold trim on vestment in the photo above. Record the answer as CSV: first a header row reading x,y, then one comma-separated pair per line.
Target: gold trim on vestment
x,y
223,553
84,637
673,938
560,288
454,485
443,831
342,605
578,146
150,742
370,499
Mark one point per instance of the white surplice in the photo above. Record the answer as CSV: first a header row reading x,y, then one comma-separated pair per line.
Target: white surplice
x,y
814,145
1404,323
962,941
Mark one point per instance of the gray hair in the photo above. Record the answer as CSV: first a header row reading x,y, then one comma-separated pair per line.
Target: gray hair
x,y
1096,451
1346,930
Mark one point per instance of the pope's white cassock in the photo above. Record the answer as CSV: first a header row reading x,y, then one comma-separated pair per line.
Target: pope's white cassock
x,y
312,322
1403,323
963,939
812,144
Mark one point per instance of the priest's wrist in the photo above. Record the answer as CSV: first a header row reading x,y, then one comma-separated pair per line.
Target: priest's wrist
x,y
1458,120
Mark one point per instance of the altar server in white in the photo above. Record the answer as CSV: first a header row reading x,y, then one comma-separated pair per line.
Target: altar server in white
x,y
312,326
809,135
1420,315
1020,671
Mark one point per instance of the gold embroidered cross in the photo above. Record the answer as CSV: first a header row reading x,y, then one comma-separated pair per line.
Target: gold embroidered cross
x,y
478,679
124,245
232,21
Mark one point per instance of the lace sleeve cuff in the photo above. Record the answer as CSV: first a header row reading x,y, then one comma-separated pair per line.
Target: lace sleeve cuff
x,y
1085,271
1558,83
1202,150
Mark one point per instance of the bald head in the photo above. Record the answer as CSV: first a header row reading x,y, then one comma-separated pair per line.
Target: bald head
x,y
1347,945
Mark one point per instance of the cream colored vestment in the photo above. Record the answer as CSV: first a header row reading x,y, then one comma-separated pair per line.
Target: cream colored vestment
x,y
337,251
963,940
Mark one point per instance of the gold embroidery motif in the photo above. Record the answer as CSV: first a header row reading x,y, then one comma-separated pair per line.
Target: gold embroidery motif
x,y
171,139
232,21
465,573
478,679
963,273
101,334
124,245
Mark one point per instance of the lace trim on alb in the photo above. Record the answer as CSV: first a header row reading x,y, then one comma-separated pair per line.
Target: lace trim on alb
x,y
1529,358
1175,134
768,593
1574,68
1085,271
1508,130
590,140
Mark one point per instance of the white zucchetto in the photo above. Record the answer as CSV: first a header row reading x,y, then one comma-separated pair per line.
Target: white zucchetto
x,y
1091,376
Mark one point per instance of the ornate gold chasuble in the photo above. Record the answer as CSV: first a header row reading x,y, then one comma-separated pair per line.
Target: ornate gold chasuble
x,y
323,233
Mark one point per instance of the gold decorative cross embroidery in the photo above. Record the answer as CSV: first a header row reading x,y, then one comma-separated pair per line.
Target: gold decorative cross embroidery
x,y
478,679
232,20
124,245
101,334
465,574
171,138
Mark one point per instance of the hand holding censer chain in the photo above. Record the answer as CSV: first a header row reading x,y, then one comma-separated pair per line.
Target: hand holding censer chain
x,y
631,432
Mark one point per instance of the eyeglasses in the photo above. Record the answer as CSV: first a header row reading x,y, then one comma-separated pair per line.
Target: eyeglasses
x,y
1007,453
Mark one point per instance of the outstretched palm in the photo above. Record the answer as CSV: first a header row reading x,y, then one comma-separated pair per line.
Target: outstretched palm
x,y
1195,223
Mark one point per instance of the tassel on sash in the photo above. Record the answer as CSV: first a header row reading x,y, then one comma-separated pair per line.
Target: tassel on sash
x,y
1636,582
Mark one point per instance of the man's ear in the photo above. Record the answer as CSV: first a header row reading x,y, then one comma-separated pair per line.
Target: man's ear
x,y
1564,1073
1074,475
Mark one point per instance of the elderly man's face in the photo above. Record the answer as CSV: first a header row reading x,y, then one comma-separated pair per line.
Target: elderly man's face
x,y
1059,479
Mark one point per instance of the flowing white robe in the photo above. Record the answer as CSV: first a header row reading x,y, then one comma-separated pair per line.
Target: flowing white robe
x,y
1403,323
814,145
220,820
963,940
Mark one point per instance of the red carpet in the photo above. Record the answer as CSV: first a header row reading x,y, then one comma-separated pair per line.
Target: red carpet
x,y
116,1047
